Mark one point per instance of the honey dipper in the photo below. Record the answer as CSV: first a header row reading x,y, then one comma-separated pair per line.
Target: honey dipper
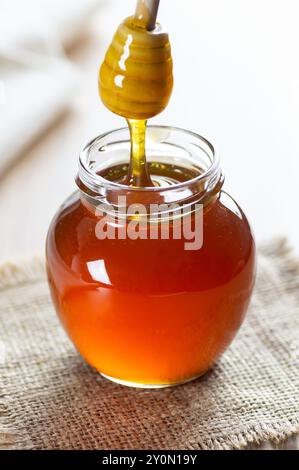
x,y
135,79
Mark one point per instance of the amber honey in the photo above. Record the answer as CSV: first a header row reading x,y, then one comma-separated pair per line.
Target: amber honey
x,y
148,311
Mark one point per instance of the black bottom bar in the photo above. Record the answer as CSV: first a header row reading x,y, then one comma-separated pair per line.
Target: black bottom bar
x,y
135,459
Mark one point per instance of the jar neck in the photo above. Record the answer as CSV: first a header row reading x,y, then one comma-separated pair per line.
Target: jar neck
x,y
182,147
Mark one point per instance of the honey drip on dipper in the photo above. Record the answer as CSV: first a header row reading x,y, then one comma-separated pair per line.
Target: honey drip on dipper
x,y
136,80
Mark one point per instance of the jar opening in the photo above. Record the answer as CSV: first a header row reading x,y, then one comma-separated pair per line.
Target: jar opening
x,y
164,145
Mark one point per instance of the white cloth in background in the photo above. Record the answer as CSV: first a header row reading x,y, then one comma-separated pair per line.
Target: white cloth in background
x,y
36,80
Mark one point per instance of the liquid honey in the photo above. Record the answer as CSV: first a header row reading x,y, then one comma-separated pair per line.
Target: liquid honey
x,y
148,311
163,174
138,170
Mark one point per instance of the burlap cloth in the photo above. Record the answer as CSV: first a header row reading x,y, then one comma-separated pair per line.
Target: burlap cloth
x,y
50,399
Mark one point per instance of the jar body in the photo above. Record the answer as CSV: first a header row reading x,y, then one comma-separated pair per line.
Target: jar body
x,y
149,312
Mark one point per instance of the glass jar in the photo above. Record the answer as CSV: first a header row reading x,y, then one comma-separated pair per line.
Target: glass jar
x,y
151,297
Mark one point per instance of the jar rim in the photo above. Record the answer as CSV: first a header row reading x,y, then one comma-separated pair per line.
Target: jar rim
x,y
93,180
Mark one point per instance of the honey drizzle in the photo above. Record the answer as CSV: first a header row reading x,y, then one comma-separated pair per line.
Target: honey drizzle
x,y
138,174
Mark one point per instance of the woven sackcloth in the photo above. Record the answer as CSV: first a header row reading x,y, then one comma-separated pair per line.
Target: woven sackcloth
x,y
51,399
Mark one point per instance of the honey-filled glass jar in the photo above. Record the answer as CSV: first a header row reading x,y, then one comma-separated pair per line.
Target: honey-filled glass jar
x,y
151,284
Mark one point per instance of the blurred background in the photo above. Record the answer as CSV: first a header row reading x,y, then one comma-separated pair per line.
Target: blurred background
x,y
236,83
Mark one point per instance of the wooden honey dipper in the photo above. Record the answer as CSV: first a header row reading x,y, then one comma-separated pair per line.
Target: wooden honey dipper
x,y
136,80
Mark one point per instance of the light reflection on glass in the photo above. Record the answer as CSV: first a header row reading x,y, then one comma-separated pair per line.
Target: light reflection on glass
x,y
98,272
